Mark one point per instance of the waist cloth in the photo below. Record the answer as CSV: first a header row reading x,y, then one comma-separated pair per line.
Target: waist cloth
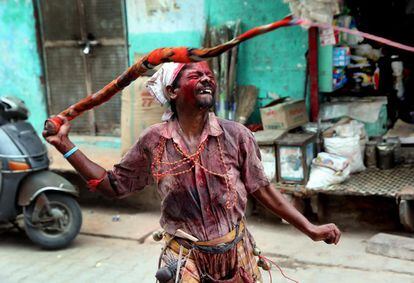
x,y
225,259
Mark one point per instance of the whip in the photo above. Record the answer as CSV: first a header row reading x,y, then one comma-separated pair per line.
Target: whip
x,y
151,60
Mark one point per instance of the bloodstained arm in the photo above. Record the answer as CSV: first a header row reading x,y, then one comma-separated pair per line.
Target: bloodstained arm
x,y
82,164
88,169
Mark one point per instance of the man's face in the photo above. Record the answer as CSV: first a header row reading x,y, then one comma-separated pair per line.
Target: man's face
x,y
197,86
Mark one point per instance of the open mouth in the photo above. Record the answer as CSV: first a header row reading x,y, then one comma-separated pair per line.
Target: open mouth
x,y
205,91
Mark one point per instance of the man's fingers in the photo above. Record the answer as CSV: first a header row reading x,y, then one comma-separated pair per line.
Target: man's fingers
x,y
337,239
46,136
328,241
332,234
65,127
64,119
332,237
329,233
335,234
338,235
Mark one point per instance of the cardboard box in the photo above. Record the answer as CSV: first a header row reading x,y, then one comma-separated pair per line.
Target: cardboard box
x,y
139,111
282,114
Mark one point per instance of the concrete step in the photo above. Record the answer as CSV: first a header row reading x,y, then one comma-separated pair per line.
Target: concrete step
x,y
392,246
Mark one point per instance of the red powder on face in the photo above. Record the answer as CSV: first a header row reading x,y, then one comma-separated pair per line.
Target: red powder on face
x,y
192,78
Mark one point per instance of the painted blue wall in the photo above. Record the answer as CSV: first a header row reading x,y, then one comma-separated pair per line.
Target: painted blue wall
x,y
20,63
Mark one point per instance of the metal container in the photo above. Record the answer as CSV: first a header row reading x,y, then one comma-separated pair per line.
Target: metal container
x,y
371,154
294,153
395,141
266,141
385,155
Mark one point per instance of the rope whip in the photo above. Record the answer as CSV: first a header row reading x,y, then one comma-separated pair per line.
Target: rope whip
x,y
149,61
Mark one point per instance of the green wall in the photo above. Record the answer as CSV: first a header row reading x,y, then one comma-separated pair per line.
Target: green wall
x,y
20,71
274,62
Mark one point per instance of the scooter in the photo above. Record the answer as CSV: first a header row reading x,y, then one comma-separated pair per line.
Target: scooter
x,y
52,217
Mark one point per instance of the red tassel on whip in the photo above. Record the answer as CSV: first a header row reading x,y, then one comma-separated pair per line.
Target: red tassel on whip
x,y
154,58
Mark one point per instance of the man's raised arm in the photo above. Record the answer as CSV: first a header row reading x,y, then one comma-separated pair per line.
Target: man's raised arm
x,y
89,170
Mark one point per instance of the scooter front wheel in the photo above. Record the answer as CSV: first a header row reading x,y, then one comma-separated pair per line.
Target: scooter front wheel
x,y
57,230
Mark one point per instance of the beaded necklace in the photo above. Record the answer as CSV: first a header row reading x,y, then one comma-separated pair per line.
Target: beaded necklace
x,y
193,160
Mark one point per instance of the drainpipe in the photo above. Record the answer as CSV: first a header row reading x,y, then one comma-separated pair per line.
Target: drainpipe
x,y
313,73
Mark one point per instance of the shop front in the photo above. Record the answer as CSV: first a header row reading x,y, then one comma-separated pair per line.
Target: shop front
x,y
363,138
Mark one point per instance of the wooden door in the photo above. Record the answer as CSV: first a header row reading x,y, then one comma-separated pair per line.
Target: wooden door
x,y
84,48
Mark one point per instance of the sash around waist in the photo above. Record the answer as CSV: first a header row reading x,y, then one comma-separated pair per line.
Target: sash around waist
x,y
217,245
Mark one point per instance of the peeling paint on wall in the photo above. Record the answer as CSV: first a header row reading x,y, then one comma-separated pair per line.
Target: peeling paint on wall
x,y
20,65
175,23
172,16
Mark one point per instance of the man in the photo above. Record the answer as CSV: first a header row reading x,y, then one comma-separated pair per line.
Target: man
x,y
204,168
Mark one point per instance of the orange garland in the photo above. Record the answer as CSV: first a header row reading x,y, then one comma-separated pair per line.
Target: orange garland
x,y
193,159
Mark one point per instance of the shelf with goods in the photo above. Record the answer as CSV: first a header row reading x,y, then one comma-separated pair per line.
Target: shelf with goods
x,y
332,62
358,86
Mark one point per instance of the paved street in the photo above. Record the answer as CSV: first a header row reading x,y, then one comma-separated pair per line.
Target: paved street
x,y
109,250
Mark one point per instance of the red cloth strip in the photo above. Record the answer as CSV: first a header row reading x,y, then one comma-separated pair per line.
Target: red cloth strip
x,y
94,183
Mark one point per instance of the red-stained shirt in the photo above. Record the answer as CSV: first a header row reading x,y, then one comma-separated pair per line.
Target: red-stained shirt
x,y
196,201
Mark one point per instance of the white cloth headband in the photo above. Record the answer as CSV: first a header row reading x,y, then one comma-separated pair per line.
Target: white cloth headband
x,y
157,84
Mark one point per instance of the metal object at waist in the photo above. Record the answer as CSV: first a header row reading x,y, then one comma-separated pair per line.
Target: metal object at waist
x,y
215,246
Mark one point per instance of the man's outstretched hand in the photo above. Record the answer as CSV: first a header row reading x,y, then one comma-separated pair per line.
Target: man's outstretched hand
x,y
277,203
328,233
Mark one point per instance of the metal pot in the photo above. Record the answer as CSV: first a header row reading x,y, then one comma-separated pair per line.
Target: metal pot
x,y
385,155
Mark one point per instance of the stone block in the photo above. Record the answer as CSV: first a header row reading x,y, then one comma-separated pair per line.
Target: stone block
x,y
391,246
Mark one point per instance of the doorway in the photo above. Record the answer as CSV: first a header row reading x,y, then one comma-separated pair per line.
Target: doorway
x,y
84,48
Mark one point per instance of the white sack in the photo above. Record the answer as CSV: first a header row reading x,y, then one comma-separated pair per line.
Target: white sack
x,y
351,129
328,169
347,147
